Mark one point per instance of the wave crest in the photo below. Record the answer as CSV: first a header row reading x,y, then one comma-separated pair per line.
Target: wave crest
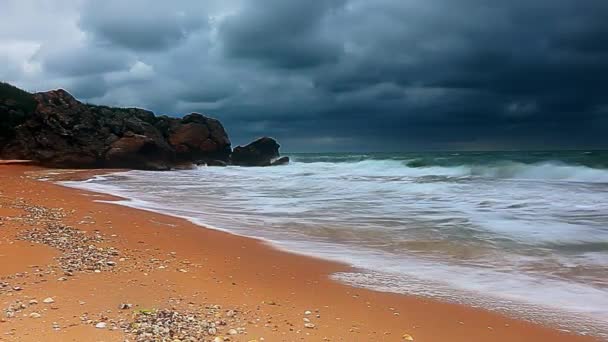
x,y
542,171
548,171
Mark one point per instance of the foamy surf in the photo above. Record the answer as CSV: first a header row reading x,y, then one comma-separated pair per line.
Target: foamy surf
x,y
523,235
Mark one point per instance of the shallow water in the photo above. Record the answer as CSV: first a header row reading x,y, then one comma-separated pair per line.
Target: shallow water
x,y
521,232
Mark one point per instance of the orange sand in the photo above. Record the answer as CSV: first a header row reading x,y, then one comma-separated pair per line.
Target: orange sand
x,y
272,289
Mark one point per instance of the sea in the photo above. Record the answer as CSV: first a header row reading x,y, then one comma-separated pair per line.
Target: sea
x,y
523,233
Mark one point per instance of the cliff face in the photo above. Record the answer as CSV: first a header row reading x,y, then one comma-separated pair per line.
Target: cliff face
x,y
57,130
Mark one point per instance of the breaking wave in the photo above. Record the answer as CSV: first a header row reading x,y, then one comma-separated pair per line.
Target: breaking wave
x,y
549,171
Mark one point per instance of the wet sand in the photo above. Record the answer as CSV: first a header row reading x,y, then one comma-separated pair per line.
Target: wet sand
x,y
169,263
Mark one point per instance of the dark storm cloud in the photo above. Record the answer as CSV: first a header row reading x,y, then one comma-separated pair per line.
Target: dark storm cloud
x,y
286,34
142,24
342,74
83,61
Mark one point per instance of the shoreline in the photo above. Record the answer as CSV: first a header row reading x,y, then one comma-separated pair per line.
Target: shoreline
x,y
271,288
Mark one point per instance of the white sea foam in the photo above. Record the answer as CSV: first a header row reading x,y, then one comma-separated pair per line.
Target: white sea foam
x,y
527,239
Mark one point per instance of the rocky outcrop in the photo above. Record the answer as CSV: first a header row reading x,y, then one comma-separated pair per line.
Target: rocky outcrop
x,y
262,152
63,132
55,129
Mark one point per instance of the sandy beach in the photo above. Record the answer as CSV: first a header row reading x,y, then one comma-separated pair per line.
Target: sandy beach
x,y
75,269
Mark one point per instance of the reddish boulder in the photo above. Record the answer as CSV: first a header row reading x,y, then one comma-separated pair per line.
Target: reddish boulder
x,y
197,137
139,151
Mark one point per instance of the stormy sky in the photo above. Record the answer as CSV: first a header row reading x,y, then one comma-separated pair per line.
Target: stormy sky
x,y
331,75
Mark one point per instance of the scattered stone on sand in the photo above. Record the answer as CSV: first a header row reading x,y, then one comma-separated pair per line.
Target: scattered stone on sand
x,y
12,310
87,251
80,252
309,325
171,325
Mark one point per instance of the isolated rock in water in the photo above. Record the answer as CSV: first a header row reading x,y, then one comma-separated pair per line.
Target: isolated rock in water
x,y
57,130
280,161
259,153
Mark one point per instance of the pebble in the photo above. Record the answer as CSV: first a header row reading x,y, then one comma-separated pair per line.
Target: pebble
x,y
48,301
309,325
35,315
160,325
101,325
80,252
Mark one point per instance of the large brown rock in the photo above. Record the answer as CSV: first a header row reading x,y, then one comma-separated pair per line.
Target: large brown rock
x,y
139,151
63,132
197,137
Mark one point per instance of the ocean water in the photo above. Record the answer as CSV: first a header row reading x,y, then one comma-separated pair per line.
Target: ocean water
x,y
525,233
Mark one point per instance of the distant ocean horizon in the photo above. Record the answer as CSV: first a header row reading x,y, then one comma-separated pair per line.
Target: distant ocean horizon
x,y
520,232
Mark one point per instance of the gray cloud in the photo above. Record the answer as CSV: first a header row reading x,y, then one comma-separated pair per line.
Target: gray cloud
x,y
83,61
285,34
142,24
335,74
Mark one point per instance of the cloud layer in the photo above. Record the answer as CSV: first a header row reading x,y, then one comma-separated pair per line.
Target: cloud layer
x,y
332,74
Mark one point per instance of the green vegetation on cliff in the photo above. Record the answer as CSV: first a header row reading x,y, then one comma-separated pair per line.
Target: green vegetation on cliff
x,y
15,106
